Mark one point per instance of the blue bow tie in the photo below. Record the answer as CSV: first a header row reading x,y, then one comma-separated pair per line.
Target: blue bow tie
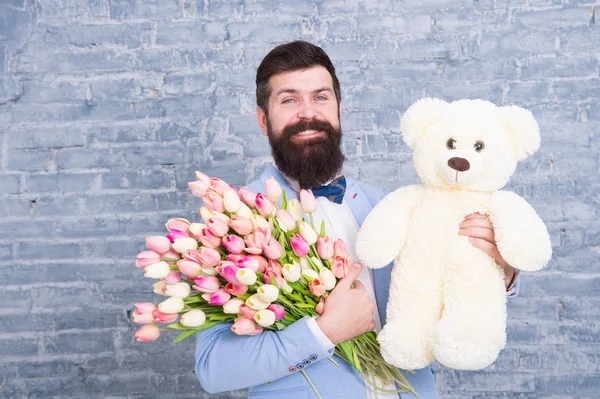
x,y
334,191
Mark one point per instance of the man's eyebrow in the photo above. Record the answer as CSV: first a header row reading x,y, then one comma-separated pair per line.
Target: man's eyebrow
x,y
294,91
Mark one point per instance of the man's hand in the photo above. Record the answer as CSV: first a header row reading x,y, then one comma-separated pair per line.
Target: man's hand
x,y
348,312
480,231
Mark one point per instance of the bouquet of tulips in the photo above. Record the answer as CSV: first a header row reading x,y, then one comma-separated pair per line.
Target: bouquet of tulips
x,y
256,263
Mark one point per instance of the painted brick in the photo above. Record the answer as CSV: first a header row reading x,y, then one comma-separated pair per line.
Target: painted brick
x,y
30,160
142,9
127,35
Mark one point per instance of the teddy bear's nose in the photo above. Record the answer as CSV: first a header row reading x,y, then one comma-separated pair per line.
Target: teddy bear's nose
x,y
459,164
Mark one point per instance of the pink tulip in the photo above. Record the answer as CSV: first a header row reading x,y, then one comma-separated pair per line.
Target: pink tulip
x,y
198,188
273,189
340,249
299,245
247,312
207,284
214,201
308,201
272,248
316,287
248,262
278,279
248,197
161,317
208,257
171,256
241,225
208,239
254,242
340,266
219,186
219,298
278,310
178,224
158,244
320,306
257,330
146,258
236,289
207,296
286,219
262,262
189,268
217,226
228,272
234,244
243,326
264,206
143,312
325,248
274,267
234,258
175,234
203,178
147,333
172,278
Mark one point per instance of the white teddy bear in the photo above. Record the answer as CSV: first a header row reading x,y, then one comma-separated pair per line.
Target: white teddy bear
x,y
447,298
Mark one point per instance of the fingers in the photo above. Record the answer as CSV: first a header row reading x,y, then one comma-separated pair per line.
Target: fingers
x,y
480,233
477,222
352,275
476,216
490,249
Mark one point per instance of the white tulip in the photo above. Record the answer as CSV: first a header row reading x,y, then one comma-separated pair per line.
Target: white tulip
x,y
264,317
231,200
158,287
179,290
286,287
327,278
182,245
205,213
209,271
171,306
309,234
244,211
158,270
255,303
310,273
246,276
294,208
232,306
268,292
291,272
259,221
193,318
317,262
196,228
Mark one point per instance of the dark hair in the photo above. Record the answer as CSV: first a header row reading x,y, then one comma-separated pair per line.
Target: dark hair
x,y
290,57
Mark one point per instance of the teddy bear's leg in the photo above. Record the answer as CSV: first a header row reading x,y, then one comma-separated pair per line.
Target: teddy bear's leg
x,y
472,330
414,307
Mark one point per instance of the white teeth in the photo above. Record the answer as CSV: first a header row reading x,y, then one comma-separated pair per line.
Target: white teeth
x,y
307,132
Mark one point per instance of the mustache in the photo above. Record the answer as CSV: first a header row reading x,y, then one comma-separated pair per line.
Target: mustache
x,y
304,125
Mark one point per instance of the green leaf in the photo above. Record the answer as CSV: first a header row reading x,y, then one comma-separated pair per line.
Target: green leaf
x,y
184,335
283,200
280,326
175,326
322,233
273,279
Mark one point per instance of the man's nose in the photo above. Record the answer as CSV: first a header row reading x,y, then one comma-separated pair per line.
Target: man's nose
x,y
307,111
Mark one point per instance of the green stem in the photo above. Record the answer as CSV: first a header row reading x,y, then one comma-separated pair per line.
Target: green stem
x,y
311,384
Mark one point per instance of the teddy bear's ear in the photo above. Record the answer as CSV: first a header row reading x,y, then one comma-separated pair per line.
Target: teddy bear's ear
x,y
419,116
522,128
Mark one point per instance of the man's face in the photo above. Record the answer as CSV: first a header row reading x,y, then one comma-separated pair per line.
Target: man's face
x,y
303,125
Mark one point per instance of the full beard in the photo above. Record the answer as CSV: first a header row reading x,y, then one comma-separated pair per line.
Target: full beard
x,y
310,161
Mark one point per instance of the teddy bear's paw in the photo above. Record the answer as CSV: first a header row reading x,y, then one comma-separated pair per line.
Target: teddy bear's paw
x,y
466,347
403,348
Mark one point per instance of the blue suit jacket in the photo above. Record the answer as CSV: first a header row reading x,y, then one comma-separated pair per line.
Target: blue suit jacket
x,y
263,363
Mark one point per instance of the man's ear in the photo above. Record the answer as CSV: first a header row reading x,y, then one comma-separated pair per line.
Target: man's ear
x,y
261,117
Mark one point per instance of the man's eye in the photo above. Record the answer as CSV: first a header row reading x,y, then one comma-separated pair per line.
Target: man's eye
x,y
288,101
321,98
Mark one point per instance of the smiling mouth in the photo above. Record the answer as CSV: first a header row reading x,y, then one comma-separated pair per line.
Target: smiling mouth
x,y
308,133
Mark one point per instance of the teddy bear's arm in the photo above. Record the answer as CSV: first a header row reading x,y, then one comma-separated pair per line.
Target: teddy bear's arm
x,y
521,236
382,234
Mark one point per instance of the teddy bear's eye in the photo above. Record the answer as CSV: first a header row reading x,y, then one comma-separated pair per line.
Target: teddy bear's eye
x,y
479,146
451,144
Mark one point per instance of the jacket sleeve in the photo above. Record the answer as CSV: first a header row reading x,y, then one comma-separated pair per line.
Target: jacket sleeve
x,y
226,361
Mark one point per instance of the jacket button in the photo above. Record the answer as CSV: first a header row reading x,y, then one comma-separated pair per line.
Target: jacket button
x,y
307,362
313,358
300,366
292,369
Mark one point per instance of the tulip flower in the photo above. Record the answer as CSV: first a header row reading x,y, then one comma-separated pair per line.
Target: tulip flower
x,y
327,278
161,317
198,188
241,225
171,305
189,268
316,287
175,234
259,222
214,201
308,233
246,276
269,274
146,258
299,245
219,298
340,249
172,278
264,206
308,201
320,306
158,270
234,244
257,330
232,306
317,262
273,189
207,257
243,326
178,224
262,262
246,311
291,272
193,318
285,220
268,293
217,226
159,287
179,290
205,213
272,248
147,333
219,186
236,289
231,201
143,312
248,197
254,302
264,317
247,262
208,239
203,178
209,271
325,248
284,286
295,209
244,211
182,245
171,256
309,274
340,266
222,216
278,310
234,258
207,284
158,244
274,267
195,229
228,271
